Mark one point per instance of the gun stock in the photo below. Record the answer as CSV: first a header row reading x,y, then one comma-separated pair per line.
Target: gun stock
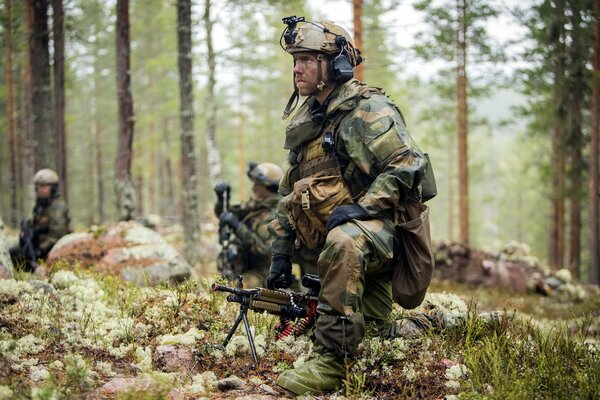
x,y
28,238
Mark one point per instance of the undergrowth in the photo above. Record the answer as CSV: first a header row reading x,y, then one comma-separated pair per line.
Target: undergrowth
x,y
67,339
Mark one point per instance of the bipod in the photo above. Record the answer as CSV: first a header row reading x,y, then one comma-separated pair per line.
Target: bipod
x,y
243,316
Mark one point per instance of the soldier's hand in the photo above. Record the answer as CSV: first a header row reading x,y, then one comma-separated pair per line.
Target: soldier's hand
x,y
228,219
346,213
280,275
221,188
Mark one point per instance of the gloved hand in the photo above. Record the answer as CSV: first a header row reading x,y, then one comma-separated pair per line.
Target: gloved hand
x,y
281,272
221,188
346,213
229,219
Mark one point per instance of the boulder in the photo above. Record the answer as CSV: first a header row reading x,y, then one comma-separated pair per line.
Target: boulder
x,y
6,266
511,269
136,253
169,358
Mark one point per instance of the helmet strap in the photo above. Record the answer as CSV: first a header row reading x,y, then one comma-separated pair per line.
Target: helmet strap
x,y
321,85
292,102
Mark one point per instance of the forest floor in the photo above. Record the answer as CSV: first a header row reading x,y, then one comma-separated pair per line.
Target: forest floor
x,y
83,335
79,334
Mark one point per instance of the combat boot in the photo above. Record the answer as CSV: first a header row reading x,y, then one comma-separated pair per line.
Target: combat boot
x,y
322,372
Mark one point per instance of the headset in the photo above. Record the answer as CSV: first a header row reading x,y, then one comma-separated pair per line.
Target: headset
x,y
340,67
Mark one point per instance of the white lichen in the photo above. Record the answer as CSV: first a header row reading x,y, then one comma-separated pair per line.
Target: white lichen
x,y
38,373
186,339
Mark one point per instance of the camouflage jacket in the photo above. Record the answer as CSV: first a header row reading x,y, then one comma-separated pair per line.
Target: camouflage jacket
x,y
51,221
253,233
379,160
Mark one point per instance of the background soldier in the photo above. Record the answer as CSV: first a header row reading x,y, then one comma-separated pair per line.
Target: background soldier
x,y
248,222
50,221
352,162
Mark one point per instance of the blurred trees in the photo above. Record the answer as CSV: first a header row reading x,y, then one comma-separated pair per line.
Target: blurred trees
x,y
243,78
456,33
557,84
41,88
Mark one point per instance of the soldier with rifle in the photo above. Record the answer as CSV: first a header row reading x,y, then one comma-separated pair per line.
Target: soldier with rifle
x,y
243,232
50,221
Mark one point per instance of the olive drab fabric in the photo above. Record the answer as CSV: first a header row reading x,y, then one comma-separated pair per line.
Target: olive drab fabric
x,y
379,166
414,257
51,221
254,238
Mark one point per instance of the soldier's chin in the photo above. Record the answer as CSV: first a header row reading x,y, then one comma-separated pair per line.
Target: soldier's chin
x,y
304,91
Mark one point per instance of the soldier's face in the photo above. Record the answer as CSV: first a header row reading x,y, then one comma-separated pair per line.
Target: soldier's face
x,y
306,73
42,191
259,191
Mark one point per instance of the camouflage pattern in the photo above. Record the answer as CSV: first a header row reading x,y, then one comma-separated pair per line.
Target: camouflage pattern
x,y
51,221
384,166
254,238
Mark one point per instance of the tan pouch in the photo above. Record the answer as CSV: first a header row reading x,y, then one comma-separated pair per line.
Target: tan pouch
x,y
414,259
310,205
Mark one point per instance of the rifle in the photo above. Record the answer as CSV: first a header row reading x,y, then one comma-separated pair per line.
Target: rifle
x,y
228,260
27,239
297,311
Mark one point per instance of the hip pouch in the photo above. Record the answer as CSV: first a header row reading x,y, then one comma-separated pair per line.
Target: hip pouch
x,y
414,256
311,203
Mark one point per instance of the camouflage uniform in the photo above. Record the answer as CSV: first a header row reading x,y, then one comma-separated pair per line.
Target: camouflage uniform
x,y
380,165
50,221
253,237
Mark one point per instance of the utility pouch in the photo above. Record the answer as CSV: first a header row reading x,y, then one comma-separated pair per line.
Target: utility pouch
x,y
414,256
311,203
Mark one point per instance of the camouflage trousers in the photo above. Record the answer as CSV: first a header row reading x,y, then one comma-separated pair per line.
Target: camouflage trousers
x,y
355,268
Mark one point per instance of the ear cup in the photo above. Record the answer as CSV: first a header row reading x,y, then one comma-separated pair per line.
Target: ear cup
x,y
341,68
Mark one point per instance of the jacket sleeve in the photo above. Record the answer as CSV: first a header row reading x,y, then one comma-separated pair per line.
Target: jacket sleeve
x,y
377,141
259,239
283,233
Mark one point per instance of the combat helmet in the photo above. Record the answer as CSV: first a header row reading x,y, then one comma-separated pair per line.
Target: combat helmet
x,y
45,176
267,173
324,38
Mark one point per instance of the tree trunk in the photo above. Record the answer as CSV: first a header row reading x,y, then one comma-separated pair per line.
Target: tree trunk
x,y
577,91
43,142
242,131
28,145
10,114
461,120
357,16
214,158
98,126
190,209
452,183
557,220
59,96
594,272
558,162
124,189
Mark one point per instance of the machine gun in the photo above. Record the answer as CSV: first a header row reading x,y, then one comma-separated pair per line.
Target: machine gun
x,y
28,240
297,311
228,262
